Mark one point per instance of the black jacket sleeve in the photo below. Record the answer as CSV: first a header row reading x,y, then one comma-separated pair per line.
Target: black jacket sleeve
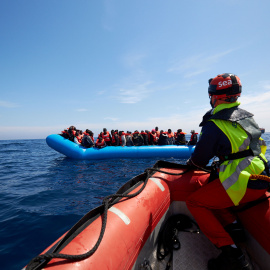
x,y
213,142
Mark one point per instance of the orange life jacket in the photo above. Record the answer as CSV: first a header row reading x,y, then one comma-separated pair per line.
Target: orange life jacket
x,y
154,136
192,135
98,143
120,140
106,136
79,138
113,139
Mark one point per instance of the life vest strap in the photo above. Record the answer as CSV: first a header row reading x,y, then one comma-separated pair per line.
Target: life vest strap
x,y
237,155
266,169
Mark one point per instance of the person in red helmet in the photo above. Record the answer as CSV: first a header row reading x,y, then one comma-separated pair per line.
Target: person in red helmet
x,y
232,135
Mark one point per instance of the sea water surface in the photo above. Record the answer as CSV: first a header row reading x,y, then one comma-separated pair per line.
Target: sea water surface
x,y
43,194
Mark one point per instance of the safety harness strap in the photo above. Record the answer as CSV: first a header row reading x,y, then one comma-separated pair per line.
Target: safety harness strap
x,y
237,155
266,165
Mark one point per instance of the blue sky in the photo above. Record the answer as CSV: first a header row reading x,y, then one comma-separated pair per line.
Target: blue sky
x,y
126,65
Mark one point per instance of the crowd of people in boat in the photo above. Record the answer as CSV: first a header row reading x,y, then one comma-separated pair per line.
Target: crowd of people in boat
x,y
121,138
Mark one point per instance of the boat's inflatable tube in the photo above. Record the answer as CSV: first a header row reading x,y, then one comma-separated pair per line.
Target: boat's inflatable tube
x,y
73,150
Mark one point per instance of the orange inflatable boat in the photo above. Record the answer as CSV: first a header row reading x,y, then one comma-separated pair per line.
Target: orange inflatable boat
x,y
126,231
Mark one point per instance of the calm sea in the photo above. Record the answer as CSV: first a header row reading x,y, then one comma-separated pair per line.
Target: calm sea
x,y
42,194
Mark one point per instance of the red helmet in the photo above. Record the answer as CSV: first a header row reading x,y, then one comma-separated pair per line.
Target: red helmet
x,y
225,85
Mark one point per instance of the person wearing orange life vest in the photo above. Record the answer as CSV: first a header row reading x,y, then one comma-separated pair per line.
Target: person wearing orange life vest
x,y
180,137
170,136
64,134
115,138
88,139
78,137
163,138
194,138
71,133
137,138
100,143
232,135
122,138
157,132
152,137
129,141
107,137
100,134
145,137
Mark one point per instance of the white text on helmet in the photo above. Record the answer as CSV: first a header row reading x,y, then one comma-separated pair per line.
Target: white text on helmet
x,y
224,83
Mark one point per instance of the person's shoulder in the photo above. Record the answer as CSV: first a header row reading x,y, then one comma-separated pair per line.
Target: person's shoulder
x,y
206,117
210,127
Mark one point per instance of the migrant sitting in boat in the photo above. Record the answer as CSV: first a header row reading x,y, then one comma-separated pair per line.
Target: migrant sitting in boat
x,y
100,143
122,138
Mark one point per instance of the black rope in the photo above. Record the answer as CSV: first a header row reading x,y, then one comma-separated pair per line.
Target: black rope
x,y
42,260
168,240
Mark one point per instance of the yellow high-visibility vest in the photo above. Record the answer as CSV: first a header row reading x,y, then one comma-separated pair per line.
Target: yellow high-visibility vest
x,y
234,174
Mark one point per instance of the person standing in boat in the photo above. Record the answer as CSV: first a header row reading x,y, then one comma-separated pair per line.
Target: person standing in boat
x,y
232,135
157,132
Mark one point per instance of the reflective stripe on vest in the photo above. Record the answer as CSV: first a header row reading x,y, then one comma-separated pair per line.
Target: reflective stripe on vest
x,y
232,179
234,175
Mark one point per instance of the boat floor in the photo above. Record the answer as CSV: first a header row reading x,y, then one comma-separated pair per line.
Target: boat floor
x,y
194,254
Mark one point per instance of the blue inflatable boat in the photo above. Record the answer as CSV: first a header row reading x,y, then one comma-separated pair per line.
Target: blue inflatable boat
x,y
75,151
